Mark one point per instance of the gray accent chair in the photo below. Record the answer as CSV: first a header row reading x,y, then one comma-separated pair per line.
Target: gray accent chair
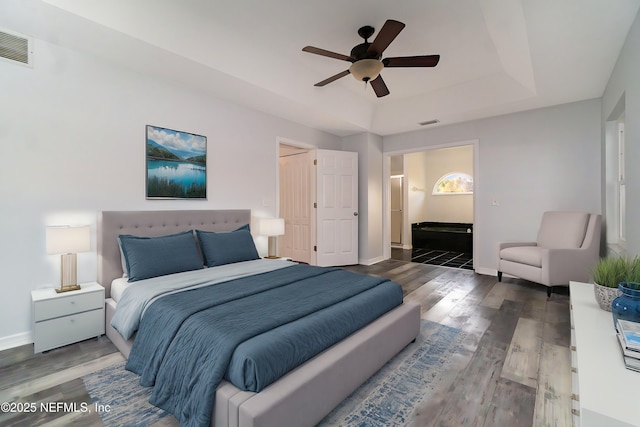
x,y
567,247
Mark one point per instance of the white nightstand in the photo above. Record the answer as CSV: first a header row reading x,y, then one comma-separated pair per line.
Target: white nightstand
x,y
68,317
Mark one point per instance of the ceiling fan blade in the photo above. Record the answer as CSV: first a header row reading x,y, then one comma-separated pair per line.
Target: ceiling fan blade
x,y
386,35
412,61
333,78
379,87
328,53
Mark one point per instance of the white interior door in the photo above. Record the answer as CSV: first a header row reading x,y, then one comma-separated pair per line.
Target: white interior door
x,y
337,207
296,206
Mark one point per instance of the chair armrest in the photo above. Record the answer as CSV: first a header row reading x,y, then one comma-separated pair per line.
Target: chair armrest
x,y
560,266
504,245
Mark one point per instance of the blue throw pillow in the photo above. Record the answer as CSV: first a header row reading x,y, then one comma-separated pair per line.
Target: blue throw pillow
x,y
243,227
227,248
147,257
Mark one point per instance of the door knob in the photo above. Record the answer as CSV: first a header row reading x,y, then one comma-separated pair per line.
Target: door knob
x,y
355,214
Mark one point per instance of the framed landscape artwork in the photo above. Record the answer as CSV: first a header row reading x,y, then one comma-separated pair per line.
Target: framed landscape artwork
x,y
176,164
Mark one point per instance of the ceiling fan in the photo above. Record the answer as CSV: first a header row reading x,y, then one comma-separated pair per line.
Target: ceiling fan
x,y
365,57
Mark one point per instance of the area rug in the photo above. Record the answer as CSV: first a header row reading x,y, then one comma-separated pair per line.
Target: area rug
x,y
387,399
124,402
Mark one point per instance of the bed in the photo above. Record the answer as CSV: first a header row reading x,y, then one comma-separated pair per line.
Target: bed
x,y
308,392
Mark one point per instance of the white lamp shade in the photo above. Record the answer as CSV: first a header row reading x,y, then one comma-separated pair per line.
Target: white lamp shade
x,y
271,226
64,240
366,69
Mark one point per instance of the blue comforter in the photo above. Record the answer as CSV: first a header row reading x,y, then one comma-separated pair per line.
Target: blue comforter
x,y
277,320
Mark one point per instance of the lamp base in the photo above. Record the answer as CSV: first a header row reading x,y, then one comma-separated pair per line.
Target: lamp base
x,y
273,245
68,288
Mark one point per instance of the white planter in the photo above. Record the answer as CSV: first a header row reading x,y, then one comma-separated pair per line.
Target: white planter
x,y
605,296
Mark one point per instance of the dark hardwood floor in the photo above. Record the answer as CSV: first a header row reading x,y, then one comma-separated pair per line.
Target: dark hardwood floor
x,y
514,369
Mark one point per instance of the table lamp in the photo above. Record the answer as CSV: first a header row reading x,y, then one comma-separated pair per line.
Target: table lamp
x,y
271,227
67,241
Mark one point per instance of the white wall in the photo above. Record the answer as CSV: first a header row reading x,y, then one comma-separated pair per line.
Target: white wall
x,y
425,168
397,165
369,149
530,162
624,82
72,133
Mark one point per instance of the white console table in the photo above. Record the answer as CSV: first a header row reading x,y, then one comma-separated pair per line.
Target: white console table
x,y
605,392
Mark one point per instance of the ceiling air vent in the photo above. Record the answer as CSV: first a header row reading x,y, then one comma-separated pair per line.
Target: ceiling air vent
x,y
16,47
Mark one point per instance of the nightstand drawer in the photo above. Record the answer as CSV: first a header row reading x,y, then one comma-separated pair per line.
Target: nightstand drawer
x,y
68,304
68,329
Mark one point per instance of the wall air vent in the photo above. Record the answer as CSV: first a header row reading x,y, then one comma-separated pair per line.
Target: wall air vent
x,y
429,122
16,48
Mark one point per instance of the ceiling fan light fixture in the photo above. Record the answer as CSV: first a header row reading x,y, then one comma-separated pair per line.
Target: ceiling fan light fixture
x,y
366,69
366,58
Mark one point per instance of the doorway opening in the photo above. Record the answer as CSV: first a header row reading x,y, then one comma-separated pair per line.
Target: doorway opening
x,y
296,196
318,200
435,213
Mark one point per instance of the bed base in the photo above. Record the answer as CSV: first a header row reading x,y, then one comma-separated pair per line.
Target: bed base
x,y
307,394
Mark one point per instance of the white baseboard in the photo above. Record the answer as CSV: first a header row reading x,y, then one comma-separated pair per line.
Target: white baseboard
x,y
370,261
398,246
15,340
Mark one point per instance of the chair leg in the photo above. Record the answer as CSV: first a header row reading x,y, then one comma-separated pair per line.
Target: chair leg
x,y
549,289
499,276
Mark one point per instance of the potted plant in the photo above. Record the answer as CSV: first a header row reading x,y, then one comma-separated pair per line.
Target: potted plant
x,y
607,274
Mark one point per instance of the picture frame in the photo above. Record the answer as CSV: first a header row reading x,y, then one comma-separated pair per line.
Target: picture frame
x,y
176,164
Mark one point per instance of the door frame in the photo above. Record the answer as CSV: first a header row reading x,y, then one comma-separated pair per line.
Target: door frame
x,y
286,141
386,189
403,199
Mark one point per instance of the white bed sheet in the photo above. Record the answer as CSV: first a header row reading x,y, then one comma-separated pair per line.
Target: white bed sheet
x,y
118,286
140,294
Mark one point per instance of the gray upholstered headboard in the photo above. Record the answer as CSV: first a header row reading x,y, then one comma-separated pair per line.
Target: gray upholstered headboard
x,y
154,223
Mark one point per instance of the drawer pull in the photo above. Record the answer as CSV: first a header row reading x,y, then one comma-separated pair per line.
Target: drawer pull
x,y
575,397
